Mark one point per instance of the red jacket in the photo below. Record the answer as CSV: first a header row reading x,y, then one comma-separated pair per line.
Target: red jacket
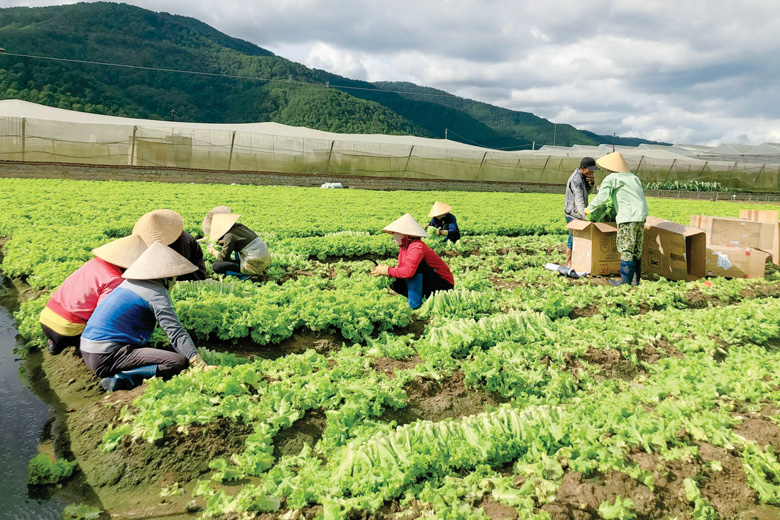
x,y
413,251
79,294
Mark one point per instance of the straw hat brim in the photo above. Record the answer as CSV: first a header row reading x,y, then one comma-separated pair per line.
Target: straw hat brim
x,y
121,252
614,162
160,225
206,224
406,225
439,209
221,224
159,261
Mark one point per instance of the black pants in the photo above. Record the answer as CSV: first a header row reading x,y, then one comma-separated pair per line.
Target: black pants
x,y
432,281
126,358
58,341
223,266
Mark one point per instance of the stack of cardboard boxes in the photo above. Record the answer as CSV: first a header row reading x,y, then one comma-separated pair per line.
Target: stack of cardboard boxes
x,y
710,246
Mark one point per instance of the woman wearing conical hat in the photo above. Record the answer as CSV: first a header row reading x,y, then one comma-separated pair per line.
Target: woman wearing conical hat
x,y
70,306
114,342
420,270
252,253
167,226
206,224
443,222
628,196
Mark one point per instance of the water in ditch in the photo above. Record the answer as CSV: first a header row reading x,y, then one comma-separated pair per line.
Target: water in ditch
x,y
26,426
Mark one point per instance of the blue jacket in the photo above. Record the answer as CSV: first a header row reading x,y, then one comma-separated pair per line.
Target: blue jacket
x,y
128,315
449,223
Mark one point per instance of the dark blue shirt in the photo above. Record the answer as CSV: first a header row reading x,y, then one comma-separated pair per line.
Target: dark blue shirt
x,y
449,223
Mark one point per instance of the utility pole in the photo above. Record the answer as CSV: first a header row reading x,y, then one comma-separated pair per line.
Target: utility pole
x,y
555,131
445,133
613,141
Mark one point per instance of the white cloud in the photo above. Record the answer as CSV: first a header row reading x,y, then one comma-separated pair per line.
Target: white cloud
x,y
690,71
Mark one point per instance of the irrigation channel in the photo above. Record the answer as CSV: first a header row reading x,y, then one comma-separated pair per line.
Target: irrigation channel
x,y
31,419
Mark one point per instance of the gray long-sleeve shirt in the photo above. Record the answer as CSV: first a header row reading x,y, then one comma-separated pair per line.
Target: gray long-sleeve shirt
x,y
576,200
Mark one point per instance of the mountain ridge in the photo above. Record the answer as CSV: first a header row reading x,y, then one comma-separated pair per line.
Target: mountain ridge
x,y
234,81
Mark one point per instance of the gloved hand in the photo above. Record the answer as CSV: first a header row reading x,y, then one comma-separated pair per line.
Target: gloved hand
x,y
587,211
212,250
380,270
197,361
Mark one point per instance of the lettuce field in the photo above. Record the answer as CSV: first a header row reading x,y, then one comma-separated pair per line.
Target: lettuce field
x,y
519,394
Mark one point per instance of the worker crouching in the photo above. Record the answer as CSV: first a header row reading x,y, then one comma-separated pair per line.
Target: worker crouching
x,y
420,270
253,257
114,341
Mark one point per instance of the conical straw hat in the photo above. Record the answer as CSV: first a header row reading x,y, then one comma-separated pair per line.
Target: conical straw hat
x,y
122,252
160,225
221,224
439,209
159,261
206,225
406,225
614,162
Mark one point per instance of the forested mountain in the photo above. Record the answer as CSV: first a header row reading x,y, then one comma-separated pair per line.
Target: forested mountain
x,y
261,86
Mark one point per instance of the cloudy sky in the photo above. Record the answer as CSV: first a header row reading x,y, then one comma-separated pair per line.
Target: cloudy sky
x,y
684,71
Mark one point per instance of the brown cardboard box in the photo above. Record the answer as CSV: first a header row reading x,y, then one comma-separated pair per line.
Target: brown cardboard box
x,y
594,249
767,216
738,232
673,250
735,262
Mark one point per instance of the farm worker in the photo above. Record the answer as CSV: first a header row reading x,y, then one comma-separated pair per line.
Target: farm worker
x,y
443,222
578,187
253,257
70,306
167,226
628,197
113,344
420,270
206,224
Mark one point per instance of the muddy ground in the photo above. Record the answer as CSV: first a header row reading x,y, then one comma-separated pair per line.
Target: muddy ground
x,y
128,481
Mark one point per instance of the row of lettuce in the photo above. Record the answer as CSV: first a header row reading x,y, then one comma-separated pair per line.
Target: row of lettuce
x,y
510,329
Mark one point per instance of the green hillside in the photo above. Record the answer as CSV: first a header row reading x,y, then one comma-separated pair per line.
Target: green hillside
x,y
261,86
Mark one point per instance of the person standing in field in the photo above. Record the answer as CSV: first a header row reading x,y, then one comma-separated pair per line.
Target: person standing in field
x,y
443,222
114,342
420,270
71,305
628,197
167,226
252,253
578,187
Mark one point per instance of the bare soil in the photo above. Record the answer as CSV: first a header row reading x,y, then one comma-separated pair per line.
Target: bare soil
x,y
438,400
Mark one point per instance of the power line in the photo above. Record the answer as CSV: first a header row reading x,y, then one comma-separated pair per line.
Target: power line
x,y
216,74
252,78
483,146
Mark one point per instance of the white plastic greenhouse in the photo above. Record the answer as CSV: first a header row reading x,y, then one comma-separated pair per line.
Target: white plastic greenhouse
x,y
37,133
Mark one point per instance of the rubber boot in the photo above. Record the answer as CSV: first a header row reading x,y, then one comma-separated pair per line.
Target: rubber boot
x,y
626,273
637,272
239,275
128,379
53,349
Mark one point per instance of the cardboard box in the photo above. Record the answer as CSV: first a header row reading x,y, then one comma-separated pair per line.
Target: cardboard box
x,y
594,249
767,216
673,250
738,232
735,262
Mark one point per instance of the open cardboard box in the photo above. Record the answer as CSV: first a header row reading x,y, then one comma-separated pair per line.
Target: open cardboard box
x,y
673,250
594,249
736,262
741,232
